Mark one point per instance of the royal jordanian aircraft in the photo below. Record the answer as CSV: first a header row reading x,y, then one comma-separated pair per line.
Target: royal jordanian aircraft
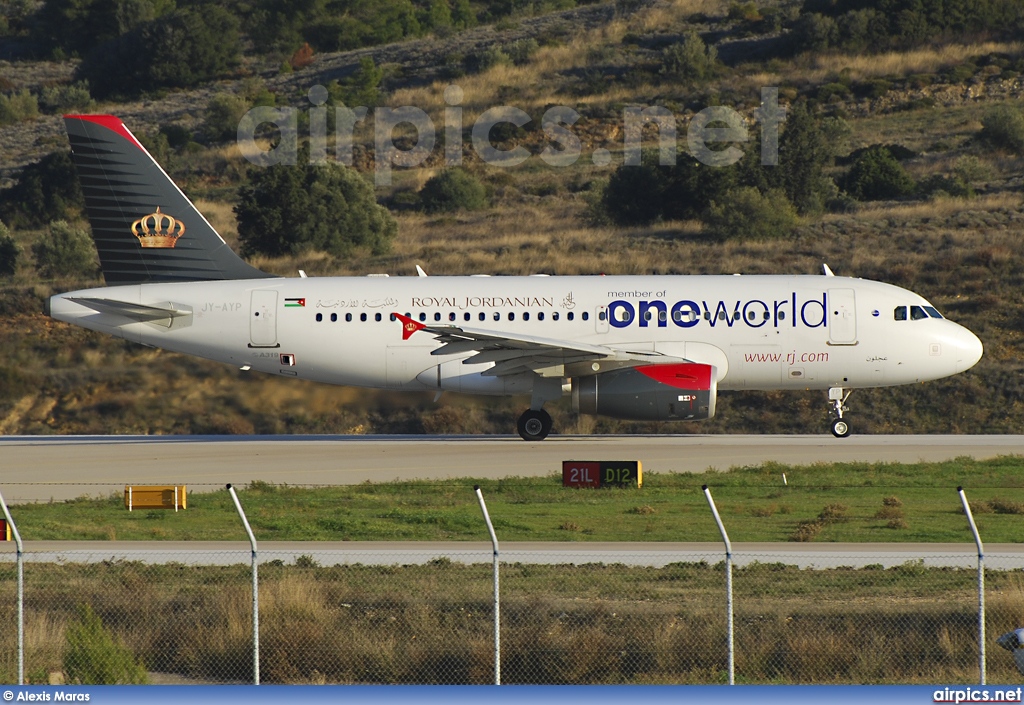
x,y
637,347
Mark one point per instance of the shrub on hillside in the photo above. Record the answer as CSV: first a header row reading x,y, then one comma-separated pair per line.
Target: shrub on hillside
x,y
9,252
690,60
1003,128
223,113
65,251
747,213
18,106
184,48
877,175
71,97
287,209
635,195
452,190
44,191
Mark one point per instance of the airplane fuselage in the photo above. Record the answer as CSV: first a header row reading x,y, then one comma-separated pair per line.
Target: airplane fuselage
x,y
759,332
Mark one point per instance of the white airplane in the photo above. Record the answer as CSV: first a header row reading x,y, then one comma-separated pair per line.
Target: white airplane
x,y
629,347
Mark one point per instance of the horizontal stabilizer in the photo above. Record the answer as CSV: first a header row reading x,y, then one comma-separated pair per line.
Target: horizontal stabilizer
x,y
135,312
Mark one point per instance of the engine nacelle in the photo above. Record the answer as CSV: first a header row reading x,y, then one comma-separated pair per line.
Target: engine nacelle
x,y
671,392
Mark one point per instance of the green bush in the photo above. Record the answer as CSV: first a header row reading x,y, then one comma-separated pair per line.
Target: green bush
x,y
9,252
44,191
223,113
75,27
18,106
451,190
635,195
65,251
73,97
746,213
187,47
877,175
363,87
288,209
1003,128
95,656
690,60
940,185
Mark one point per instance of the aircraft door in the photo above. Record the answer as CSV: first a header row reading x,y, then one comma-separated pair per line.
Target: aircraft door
x,y
842,317
263,319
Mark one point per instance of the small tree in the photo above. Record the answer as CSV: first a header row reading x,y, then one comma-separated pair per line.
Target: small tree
x,y
451,190
223,113
635,194
690,60
1003,128
746,213
46,190
65,251
877,175
287,209
9,252
94,656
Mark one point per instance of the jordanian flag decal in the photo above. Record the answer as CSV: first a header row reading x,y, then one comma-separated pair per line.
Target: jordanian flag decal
x,y
295,303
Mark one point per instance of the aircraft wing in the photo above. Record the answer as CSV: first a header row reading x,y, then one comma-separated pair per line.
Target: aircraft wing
x,y
513,354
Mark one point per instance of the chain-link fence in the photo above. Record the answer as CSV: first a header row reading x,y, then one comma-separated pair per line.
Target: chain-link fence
x,y
353,616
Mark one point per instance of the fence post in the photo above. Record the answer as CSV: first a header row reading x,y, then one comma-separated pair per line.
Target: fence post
x,y
21,591
981,583
255,592
728,584
497,599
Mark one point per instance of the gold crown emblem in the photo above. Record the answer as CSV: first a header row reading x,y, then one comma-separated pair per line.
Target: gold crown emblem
x,y
158,230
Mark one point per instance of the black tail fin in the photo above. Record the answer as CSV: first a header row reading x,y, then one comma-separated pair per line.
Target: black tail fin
x,y
145,228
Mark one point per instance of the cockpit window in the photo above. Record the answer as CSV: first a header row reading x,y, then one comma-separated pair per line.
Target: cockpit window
x,y
899,313
932,312
917,313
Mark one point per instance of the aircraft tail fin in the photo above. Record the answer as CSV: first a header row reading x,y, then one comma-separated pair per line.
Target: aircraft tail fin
x,y
145,228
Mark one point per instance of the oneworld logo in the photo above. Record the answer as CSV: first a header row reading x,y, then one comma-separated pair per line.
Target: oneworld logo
x,y
753,313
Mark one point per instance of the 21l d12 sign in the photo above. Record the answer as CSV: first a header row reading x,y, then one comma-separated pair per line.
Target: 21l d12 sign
x,y
602,473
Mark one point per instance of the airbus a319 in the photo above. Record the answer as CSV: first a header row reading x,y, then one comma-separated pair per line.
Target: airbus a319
x,y
629,347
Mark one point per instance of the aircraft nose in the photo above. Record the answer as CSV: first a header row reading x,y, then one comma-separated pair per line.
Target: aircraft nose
x,y
968,350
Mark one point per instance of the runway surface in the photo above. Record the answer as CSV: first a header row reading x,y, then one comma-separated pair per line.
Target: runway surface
x,y
65,467
651,554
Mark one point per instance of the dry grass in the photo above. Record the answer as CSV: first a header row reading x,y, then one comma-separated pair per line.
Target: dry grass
x,y
818,68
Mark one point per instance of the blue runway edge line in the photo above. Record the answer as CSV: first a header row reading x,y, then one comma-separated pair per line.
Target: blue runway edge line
x,y
499,695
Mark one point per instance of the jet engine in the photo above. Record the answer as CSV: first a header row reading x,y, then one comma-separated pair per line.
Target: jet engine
x,y
670,392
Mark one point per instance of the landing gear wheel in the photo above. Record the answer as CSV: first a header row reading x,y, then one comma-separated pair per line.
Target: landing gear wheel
x,y
840,428
534,425
837,397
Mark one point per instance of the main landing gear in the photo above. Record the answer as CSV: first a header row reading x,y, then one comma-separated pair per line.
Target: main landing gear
x,y
836,397
534,425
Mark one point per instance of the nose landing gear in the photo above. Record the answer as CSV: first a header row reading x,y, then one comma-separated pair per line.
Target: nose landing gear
x,y
840,427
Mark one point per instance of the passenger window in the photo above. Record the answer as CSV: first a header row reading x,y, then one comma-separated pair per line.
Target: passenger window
x,y
482,316
497,316
647,315
319,317
526,316
586,315
570,315
423,316
466,316
932,312
437,316
334,317
782,315
554,316
362,317
451,316
511,316
540,316
917,313
750,315
348,317
662,316
603,315
707,316
899,313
